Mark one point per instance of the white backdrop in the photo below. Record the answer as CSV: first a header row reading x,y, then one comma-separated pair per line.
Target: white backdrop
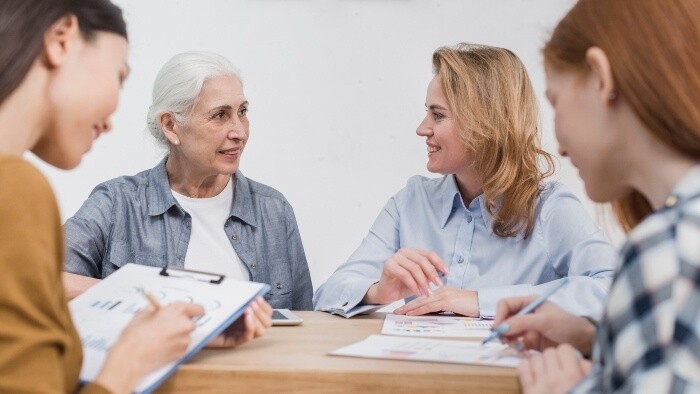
x,y
336,88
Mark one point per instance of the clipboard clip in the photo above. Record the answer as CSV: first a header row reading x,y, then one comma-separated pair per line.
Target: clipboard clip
x,y
193,275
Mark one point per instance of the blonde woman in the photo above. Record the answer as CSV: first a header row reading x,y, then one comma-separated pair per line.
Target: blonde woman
x,y
491,227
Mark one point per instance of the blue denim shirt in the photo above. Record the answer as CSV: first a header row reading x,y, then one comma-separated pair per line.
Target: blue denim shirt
x,y
430,214
136,219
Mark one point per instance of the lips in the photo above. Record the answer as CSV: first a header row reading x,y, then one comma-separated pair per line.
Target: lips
x,y
231,152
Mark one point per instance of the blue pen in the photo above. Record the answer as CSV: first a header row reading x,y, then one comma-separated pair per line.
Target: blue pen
x,y
503,328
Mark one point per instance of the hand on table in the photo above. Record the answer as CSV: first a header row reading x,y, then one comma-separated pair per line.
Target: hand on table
x,y
444,299
253,324
408,272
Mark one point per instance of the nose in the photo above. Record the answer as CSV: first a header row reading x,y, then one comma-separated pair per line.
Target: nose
x,y
562,152
424,128
238,129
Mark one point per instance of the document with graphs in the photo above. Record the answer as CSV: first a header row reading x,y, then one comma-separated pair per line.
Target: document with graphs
x,y
103,311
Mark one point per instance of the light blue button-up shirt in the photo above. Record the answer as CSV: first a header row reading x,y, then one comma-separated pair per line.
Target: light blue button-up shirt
x,y
430,214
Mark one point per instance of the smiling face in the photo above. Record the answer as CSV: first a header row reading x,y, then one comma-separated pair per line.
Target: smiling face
x,y
587,135
83,94
212,138
446,151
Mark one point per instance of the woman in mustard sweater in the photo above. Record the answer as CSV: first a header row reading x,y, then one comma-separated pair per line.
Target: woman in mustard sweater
x,y
61,66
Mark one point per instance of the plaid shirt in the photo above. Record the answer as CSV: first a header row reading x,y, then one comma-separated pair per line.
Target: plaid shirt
x,y
649,337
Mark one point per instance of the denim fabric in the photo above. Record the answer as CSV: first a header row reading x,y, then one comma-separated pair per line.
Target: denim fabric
x,y
136,219
430,214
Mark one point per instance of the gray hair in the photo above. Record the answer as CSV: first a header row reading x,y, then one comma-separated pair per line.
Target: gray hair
x,y
179,83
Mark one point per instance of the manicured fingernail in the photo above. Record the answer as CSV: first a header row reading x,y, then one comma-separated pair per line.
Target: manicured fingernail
x,y
430,292
437,281
579,355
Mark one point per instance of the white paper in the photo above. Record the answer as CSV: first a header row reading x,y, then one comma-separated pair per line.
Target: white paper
x,y
435,350
103,311
436,326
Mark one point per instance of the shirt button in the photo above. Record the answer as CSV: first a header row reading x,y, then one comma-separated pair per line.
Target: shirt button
x,y
469,219
671,201
460,260
279,286
234,237
253,266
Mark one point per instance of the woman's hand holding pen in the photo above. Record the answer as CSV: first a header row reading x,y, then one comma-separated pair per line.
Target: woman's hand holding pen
x,y
444,299
410,271
561,336
547,326
254,322
155,337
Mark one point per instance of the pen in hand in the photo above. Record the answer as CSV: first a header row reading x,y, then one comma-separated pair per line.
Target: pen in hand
x,y
503,327
151,299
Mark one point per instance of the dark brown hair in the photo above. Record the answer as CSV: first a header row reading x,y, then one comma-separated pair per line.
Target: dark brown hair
x,y
491,96
652,47
24,22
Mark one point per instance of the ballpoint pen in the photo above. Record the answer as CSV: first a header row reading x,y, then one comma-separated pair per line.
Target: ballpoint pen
x,y
503,327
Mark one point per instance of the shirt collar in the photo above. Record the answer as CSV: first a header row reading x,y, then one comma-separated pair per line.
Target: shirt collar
x,y
687,188
452,200
242,207
158,194
160,198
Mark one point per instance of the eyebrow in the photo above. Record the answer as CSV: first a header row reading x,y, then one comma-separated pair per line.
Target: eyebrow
x,y
228,107
435,106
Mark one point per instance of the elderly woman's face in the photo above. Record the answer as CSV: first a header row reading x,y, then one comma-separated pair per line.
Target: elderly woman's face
x,y
215,133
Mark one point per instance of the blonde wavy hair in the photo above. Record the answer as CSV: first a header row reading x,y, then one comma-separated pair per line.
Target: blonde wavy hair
x,y
494,105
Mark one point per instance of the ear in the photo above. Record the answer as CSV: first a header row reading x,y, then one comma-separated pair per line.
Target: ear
x,y
170,128
59,38
600,69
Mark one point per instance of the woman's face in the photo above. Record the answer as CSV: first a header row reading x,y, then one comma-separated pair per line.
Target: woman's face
x,y
586,134
446,151
216,131
83,94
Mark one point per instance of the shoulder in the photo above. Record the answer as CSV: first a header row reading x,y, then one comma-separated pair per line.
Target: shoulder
x,y
555,200
419,186
261,191
127,182
23,184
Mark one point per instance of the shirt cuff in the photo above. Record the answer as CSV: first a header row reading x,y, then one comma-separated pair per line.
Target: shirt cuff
x,y
489,297
346,304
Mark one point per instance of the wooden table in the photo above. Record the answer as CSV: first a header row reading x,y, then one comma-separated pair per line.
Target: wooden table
x,y
294,360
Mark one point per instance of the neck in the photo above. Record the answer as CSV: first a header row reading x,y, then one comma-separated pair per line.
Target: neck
x,y
23,114
657,174
469,184
191,183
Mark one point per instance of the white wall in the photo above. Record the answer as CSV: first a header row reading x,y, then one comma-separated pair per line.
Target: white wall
x,y
336,88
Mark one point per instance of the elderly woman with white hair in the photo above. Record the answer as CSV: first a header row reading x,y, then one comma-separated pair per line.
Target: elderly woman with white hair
x,y
195,209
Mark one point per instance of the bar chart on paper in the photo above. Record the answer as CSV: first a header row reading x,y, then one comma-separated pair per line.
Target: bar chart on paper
x,y
438,326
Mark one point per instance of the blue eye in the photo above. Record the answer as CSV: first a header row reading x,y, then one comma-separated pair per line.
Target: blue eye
x,y
219,115
243,112
438,116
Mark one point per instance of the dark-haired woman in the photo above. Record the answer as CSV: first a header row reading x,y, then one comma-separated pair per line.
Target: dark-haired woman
x,y
61,66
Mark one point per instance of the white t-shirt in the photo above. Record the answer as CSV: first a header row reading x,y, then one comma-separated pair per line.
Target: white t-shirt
x,y
209,249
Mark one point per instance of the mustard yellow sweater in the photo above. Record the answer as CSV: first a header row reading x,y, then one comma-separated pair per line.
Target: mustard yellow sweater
x,y
40,349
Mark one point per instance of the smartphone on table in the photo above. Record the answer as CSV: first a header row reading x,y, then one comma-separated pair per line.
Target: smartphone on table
x,y
285,317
